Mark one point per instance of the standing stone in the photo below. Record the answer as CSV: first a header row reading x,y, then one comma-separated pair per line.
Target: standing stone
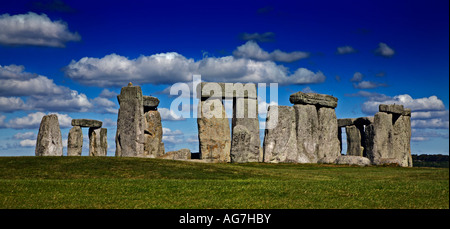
x,y
280,142
245,113
153,145
75,141
401,140
307,130
379,137
213,131
328,134
49,140
354,147
130,123
98,144
241,146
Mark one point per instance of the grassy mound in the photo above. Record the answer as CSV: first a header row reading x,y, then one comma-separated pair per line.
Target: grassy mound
x,y
109,182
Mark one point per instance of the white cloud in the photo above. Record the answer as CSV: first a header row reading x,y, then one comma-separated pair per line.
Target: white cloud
x,y
264,37
34,29
263,106
26,135
357,77
384,50
368,85
169,115
28,143
308,90
432,103
251,50
108,94
434,123
10,104
33,121
169,68
104,105
430,114
345,50
169,132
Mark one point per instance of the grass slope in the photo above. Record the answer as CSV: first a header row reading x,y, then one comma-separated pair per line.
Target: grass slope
x,y
109,182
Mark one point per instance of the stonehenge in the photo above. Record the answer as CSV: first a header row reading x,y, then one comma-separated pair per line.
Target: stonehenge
x,y
98,145
139,130
215,142
308,131
49,140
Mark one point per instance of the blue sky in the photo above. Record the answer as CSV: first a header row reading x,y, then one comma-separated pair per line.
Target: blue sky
x,y
72,58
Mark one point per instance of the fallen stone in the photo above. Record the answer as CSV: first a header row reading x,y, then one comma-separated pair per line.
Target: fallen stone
x,y
87,123
182,154
150,102
326,160
354,147
352,160
313,99
387,161
391,108
213,131
280,140
75,141
130,123
49,140
98,144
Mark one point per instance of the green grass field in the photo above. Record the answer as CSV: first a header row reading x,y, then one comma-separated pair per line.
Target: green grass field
x,y
109,182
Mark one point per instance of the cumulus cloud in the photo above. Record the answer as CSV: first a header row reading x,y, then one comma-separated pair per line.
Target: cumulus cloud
x,y
368,85
345,50
384,50
28,143
264,37
41,93
434,123
432,103
26,135
34,29
108,94
168,68
251,50
169,115
33,121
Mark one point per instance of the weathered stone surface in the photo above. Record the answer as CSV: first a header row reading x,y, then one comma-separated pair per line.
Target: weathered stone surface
x,y
280,140
354,147
241,148
391,108
313,99
86,123
363,121
130,123
245,113
75,141
389,137
352,160
406,112
307,128
182,154
387,161
213,131
49,140
328,133
226,90
98,144
343,122
150,102
326,160
153,132
401,148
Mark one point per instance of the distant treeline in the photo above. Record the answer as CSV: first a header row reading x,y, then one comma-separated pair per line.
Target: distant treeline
x,y
430,160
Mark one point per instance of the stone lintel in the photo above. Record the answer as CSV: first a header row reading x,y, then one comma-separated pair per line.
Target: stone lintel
x,y
87,123
226,90
313,99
